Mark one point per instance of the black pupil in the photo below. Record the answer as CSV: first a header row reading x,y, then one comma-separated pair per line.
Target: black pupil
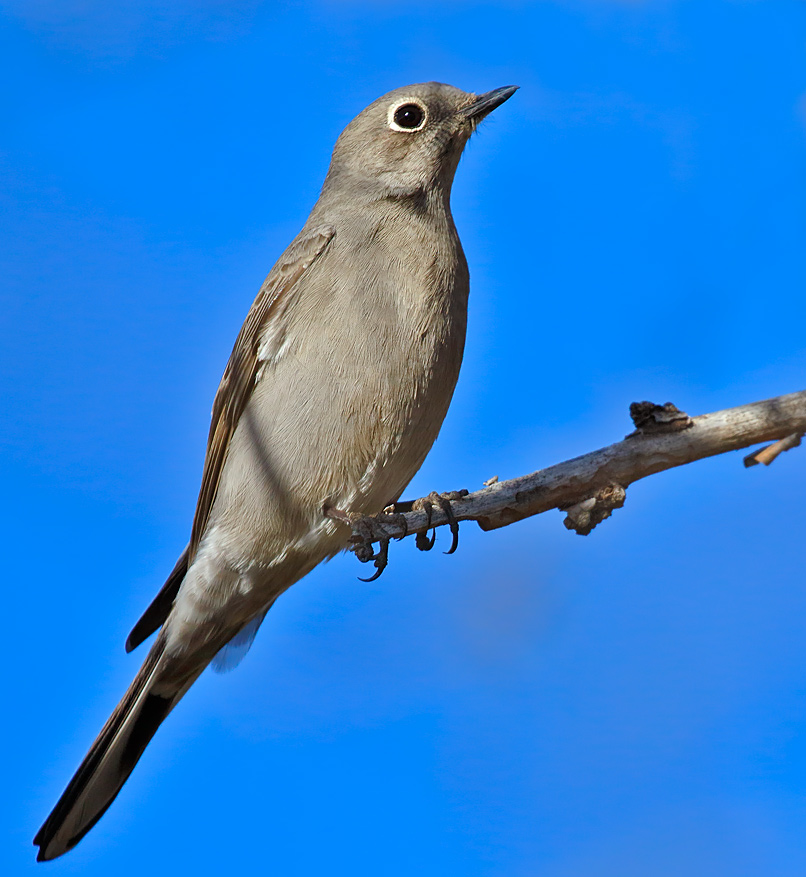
x,y
409,116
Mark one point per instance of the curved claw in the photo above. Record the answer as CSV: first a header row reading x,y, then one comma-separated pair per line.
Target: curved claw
x,y
421,540
445,505
381,561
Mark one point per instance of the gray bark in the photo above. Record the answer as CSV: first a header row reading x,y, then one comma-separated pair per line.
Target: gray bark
x,y
589,487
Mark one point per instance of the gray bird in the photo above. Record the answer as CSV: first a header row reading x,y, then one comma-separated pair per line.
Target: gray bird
x,y
334,393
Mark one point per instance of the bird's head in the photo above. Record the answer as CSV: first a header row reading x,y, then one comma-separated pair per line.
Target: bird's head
x,y
410,139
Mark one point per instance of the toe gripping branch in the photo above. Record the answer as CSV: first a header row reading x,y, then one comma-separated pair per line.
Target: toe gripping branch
x,y
368,529
443,501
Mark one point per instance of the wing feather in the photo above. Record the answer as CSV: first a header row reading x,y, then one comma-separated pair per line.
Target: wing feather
x,y
241,371
230,400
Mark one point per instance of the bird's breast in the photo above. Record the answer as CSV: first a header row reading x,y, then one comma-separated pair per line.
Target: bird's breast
x,y
347,411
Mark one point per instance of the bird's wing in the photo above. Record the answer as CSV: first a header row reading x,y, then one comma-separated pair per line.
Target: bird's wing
x,y
230,400
154,617
239,376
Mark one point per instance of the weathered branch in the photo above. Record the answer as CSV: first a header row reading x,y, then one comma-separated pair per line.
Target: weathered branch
x,y
588,488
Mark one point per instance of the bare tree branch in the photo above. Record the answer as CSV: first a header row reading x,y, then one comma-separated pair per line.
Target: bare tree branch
x,y
588,488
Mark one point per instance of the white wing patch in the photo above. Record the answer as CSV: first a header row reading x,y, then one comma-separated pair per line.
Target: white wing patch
x,y
273,345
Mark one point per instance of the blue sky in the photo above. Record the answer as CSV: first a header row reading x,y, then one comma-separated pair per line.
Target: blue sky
x,y
630,703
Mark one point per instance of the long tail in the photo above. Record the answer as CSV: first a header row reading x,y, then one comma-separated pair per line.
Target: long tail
x,y
111,759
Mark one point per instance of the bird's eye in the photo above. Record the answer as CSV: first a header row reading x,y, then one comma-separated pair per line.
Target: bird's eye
x,y
407,117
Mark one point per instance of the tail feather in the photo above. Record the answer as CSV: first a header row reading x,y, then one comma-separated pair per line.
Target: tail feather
x,y
109,762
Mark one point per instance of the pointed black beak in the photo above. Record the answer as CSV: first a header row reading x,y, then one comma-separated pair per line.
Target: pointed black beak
x,y
486,103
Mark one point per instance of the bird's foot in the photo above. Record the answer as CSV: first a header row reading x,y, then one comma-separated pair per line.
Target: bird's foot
x,y
443,501
368,529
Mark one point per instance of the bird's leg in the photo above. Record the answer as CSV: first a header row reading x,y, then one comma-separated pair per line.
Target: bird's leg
x,y
368,529
443,501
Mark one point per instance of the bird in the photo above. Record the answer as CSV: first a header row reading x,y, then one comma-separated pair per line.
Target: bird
x,y
336,388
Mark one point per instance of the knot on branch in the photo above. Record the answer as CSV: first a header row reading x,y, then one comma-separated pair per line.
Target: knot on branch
x,y
651,419
584,515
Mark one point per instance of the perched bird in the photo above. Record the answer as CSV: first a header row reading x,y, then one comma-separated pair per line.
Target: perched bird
x,y
335,391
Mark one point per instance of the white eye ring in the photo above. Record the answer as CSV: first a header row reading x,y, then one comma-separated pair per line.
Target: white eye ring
x,y
390,116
